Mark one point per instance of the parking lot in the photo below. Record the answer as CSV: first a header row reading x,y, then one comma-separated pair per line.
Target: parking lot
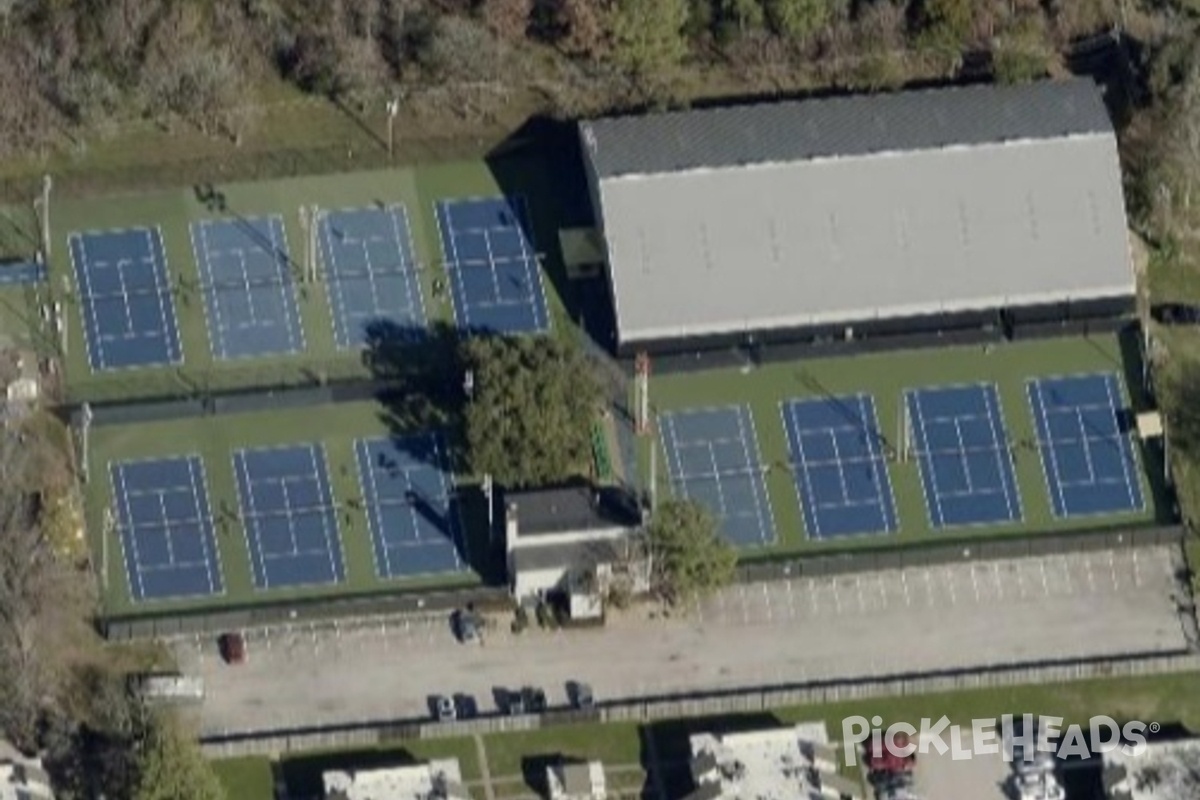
x,y
917,619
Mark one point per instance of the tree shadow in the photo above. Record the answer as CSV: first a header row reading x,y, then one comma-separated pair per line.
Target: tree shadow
x,y
542,162
419,386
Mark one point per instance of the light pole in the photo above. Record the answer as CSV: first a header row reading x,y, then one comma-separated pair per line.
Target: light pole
x,y
393,108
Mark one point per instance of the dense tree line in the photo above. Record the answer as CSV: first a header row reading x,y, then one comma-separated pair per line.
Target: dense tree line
x,y
72,69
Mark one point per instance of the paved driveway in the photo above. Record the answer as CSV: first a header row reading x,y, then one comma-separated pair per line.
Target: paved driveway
x,y
876,623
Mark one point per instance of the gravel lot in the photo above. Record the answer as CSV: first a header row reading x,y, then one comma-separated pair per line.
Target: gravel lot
x,y
785,631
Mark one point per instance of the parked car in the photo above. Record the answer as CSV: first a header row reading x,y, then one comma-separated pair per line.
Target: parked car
x,y
232,647
445,710
581,695
535,699
466,626
1176,314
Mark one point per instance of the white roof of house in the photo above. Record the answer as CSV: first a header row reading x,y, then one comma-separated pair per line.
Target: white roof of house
x,y
435,780
1163,771
769,764
827,230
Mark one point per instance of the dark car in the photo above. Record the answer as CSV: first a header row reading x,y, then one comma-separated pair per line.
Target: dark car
x,y
581,695
232,647
466,626
535,699
1176,314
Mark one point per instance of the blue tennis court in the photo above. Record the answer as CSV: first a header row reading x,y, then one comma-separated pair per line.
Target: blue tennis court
x,y
371,273
410,505
288,512
166,528
1086,450
125,296
495,279
838,465
249,292
962,447
712,457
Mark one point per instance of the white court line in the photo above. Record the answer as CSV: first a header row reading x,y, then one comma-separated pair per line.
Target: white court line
x,y
408,252
1046,446
487,244
962,455
250,517
363,467
446,234
809,501
757,484
1087,446
211,293
1124,449
91,332
162,296
325,489
995,415
281,258
927,461
123,500
340,316
533,270
712,457
200,489
869,418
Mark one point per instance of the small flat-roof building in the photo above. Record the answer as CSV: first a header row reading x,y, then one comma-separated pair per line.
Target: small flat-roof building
x,y
440,779
554,537
576,780
796,763
917,213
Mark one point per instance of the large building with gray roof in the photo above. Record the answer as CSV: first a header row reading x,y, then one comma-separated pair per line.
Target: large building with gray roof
x,y
919,213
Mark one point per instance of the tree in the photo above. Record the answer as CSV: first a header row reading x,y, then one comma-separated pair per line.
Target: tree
x,y
945,24
799,19
745,14
689,555
648,35
171,765
508,19
43,600
1023,51
579,26
534,401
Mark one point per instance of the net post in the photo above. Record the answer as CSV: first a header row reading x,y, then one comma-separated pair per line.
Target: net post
x,y
85,430
642,388
110,527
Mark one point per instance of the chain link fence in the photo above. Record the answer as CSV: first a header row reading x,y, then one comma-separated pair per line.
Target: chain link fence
x,y
704,704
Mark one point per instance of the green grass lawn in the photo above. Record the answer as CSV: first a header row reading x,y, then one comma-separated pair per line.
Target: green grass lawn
x,y
215,439
885,376
618,743
247,778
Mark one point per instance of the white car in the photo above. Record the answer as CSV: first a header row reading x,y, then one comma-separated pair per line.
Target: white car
x,y
445,710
